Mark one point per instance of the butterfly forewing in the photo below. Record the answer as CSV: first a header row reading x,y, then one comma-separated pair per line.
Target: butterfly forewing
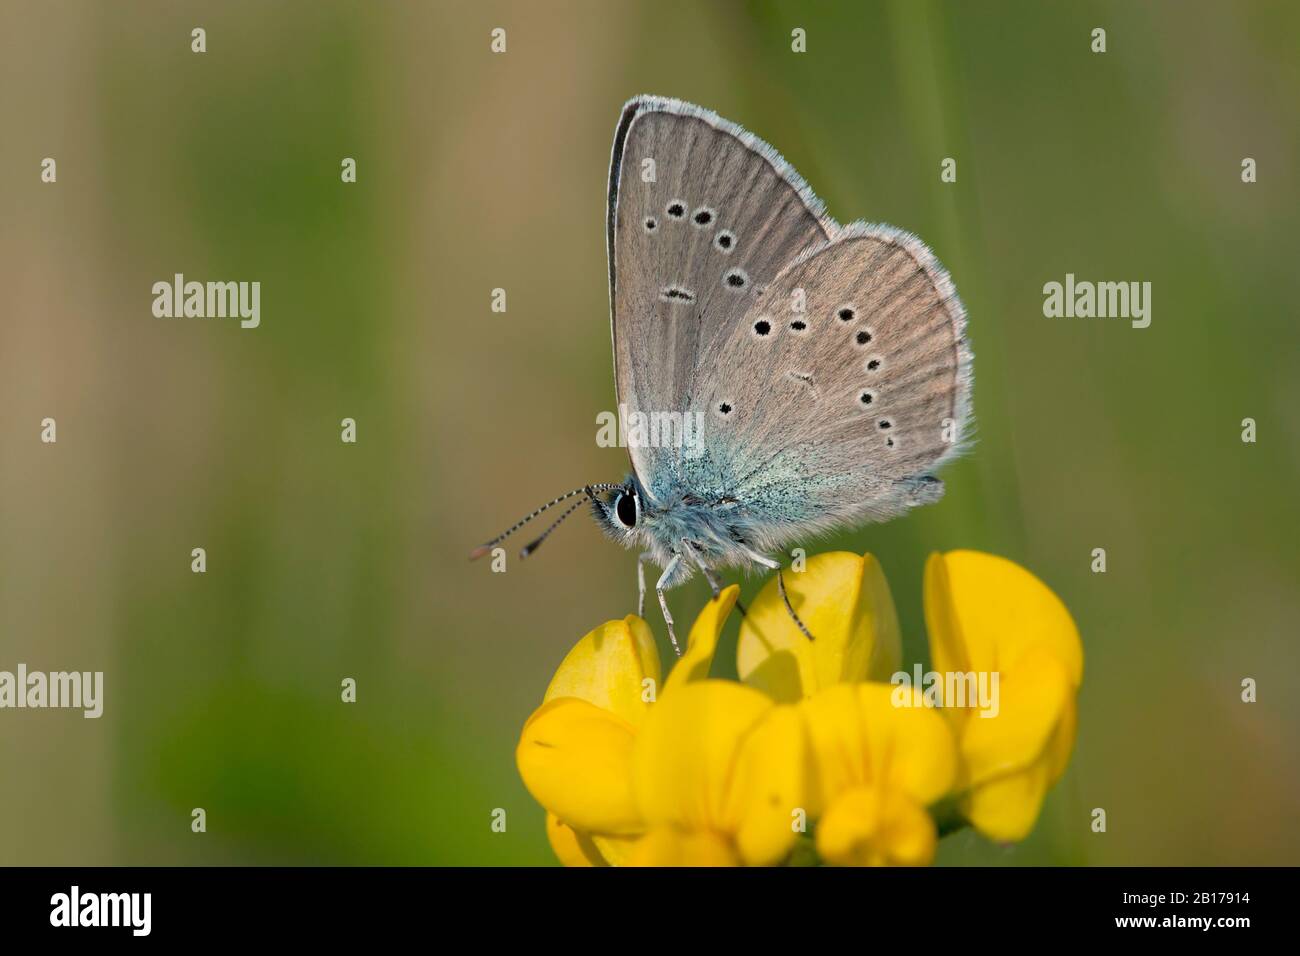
x,y
702,217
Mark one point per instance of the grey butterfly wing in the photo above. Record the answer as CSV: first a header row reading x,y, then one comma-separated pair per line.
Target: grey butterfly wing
x,y
847,382
701,214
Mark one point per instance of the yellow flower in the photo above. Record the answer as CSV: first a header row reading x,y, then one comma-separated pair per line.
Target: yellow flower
x,y
984,614
844,602
576,760
987,614
575,752
875,768
609,668
717,775
710,772
610,765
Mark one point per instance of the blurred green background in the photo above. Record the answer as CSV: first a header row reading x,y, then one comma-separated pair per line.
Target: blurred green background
x,y
479,171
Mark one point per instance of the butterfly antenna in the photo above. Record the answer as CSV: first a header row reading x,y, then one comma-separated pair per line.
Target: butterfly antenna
x,y
486,547
537,542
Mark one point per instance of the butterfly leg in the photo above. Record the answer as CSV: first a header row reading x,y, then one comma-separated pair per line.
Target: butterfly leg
x,y
714,585
780,586
689,548
640,582
663,601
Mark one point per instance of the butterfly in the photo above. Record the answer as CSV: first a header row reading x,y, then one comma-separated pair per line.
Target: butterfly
x,y
827,366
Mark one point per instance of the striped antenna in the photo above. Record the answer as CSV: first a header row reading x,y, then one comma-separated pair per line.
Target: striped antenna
x,y
537,542
485,548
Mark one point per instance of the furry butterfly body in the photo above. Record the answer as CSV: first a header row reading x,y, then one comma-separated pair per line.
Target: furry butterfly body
x,y
828,364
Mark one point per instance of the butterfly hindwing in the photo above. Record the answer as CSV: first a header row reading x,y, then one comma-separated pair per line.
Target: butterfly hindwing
x,y
848,382
702,215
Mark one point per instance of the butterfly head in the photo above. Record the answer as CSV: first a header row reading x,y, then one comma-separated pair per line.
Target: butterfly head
x,y
620,515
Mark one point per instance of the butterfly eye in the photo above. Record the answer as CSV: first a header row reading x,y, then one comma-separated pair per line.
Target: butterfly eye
x,y
625,510
676,209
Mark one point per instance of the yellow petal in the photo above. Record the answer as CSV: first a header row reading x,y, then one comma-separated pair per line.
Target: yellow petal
x,y
1032,701
845,603
768,793
988,614
572,847
703,641
1006,809
867,826
617,850
1061,745
860,736
576,761
686,752
948,651
609,668
984,613
668,846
